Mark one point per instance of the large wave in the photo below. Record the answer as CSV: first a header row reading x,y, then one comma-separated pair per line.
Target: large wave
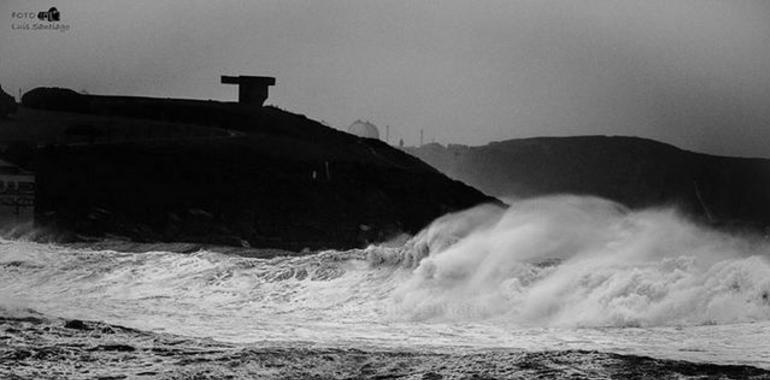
x,y
581,261
559,261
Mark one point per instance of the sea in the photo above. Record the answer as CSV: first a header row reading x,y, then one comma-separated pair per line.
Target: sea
x,y
557,287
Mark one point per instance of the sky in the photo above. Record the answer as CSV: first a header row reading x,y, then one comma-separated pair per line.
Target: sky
x,y
693,73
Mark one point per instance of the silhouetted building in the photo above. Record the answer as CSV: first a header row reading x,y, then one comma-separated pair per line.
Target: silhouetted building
x,y
365,129
7,103
251,90
17,195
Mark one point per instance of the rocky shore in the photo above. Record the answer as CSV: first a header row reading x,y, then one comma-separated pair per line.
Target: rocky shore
x,y
34,346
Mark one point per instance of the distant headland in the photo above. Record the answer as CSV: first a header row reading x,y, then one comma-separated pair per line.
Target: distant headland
x,y
720,191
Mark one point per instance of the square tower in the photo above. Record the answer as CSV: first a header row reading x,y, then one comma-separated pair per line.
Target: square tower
x,y
251,90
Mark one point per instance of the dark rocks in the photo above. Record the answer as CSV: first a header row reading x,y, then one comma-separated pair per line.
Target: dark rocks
x,y
17,355
27,319
68,353
76,324
114,347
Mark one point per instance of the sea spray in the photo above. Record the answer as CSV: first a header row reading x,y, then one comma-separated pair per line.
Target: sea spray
x,y
581,261
522,277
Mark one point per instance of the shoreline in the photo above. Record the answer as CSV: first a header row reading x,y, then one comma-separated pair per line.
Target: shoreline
x,y
41,347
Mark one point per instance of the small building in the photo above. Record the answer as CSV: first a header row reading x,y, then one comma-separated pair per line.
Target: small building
x,y
17,195
7,104
364,129
251,90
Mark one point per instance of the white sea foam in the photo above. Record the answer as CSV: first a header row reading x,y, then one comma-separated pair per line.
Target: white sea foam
x,y
615,268
549,273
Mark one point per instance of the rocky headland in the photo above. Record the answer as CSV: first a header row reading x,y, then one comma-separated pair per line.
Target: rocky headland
x,y
177,170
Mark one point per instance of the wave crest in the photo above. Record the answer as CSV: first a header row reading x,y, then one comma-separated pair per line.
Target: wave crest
x,y
579,261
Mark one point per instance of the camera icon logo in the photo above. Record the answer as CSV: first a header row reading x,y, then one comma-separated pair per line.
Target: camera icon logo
x,y
50,15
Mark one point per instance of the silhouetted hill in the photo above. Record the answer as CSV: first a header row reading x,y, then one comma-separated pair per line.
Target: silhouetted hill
x,y
634,171
219,172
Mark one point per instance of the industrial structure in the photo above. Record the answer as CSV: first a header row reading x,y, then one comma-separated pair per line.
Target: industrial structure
x,y
364,129
251,90
17,195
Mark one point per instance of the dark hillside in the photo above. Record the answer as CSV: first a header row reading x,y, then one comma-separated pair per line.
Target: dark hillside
x,y
270,178
636,172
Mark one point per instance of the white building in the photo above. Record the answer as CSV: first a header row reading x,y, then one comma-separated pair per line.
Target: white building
x,y
364,129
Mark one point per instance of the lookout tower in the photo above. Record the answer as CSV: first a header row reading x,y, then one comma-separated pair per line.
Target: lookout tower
x,y
251,90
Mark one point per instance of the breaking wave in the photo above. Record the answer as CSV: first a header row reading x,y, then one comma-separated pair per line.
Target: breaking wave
x,y
548,262
577,261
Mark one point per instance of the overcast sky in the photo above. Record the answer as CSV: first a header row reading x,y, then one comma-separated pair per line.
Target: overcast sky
x,y
692,73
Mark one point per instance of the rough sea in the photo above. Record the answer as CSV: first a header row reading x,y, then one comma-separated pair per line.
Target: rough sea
x,y
561,287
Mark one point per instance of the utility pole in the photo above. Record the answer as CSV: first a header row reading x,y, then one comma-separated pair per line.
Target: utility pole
x,y
387,134
422,135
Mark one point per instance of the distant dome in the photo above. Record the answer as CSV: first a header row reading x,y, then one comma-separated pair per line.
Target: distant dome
x,y
365,129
